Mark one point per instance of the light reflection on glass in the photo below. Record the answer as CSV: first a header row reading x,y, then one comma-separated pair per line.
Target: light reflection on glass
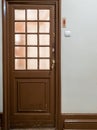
x,y
19,51
20,64
19,39
31,14
31,27
44,39
32,51
44,51
19,27
33,56
19,14
44,14
32,39
32,64
44,27
44,64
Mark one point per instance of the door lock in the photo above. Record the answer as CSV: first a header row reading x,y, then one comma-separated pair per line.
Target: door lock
x,y
53,63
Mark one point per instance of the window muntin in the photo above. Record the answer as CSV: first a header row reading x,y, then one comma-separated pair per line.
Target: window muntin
x,y
32,39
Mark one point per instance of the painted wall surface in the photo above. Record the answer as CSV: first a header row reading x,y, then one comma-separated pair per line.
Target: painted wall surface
x,y
1,102
79,57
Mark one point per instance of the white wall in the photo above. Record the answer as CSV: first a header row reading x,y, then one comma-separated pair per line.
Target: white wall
x,y
1,103
79,57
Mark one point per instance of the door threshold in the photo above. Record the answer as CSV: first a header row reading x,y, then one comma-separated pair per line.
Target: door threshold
x,y
34,129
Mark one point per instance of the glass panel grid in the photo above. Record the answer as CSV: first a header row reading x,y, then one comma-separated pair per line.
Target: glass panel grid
x,y
19,39
19,27
35,55
44,14
19,51
44,64
31,14
44,27
32,52
31,27
32,64
20,64
44,39
31,39
44,52
19,14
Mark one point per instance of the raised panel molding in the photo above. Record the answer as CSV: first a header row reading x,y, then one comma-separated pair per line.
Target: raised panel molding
x,y
78,121
36,98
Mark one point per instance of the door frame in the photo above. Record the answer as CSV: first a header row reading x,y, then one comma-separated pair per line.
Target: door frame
x,y
6,103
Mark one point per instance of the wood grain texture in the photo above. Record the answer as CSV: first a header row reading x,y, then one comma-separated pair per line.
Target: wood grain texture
x,y
7,62
44,110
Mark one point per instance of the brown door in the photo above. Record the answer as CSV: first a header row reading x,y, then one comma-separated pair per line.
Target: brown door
x,y
31,65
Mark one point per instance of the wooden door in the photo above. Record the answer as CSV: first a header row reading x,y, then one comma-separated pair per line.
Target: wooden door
x,y
31,65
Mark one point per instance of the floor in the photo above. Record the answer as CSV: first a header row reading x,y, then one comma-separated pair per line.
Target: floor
x,y
33,129
36,129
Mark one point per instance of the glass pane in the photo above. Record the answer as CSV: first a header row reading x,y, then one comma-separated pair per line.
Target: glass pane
x,y
32,39
19,39
44,27
44,39
31,14
19,51
44,52
19,14
31,27
19,27
44,64
20,64
32,51
44,14
32,64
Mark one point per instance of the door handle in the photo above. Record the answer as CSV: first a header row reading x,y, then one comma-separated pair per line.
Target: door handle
x,y
53,61
53,64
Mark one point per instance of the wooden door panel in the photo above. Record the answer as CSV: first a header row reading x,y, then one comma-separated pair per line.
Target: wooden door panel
x,y
32,95
31,26
32,104
32,100
31,60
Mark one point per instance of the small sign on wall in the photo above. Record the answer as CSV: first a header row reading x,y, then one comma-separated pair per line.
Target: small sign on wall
x,y
63,22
